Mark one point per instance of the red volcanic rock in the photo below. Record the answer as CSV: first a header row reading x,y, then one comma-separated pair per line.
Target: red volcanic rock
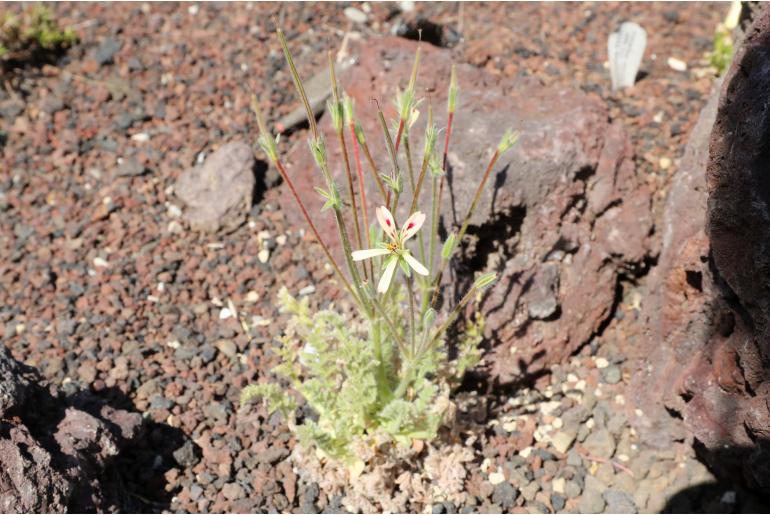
x,y
562,214
706,358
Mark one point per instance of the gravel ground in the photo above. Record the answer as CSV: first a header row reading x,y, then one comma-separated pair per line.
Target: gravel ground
x,y
103,286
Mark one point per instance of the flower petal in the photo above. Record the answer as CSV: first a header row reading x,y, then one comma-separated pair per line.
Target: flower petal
x,y
412,225
387,276
387,222
416,265
359,255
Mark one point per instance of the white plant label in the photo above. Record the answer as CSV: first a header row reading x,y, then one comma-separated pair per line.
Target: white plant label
x,y
625,49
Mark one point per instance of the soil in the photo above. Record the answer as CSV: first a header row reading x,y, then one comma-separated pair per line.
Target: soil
x,y
105,288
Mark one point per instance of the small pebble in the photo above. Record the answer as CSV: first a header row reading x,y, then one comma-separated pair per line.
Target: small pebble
x,y
355,15
496,478
677,64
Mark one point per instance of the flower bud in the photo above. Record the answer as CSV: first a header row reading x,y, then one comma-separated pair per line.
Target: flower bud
x,y
485,280
318,149
449,247
347,107
336,112
508,140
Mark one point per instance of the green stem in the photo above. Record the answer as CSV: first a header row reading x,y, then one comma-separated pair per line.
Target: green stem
x,y
451,318
433,237
393,161
410,292
341,137
375,173
466,221
315,232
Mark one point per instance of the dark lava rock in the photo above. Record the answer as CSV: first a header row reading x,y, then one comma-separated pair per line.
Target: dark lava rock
x,y
188,455
505,495
54,450
13,385
558,502
105,52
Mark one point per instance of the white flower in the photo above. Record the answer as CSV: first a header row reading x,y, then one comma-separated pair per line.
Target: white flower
x,y
395,250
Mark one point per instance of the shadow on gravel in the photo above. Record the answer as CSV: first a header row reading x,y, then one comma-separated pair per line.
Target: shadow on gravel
x,y
137,476
742,493
261,183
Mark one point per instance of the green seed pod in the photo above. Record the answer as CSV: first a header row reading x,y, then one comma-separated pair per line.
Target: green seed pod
x,y
318,149
485,280
449,247
429,317
431,134
360,135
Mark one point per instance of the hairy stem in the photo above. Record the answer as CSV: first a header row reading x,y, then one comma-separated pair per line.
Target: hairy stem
x,y
362,190
451,318
341,137
433,236
410,292
375,173
393,161
314,230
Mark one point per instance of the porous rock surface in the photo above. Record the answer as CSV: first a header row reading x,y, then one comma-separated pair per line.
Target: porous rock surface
x,y
54,450
562,216
707,354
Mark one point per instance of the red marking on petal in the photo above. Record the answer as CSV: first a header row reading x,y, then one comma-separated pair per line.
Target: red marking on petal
x,y
411,224
387,222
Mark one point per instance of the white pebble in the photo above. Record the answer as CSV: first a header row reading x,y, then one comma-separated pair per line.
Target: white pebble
x,y
193,9
252,297
280,239
510,427
225,313
174,211
263,255
100,262
355,15
307,290
677,64
141,137
601,363
496,478
174,344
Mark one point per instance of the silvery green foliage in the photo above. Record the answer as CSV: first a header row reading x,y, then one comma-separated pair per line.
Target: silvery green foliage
x,y
354,389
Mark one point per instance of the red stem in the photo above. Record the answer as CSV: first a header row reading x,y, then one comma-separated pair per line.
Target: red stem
x,y
399,133
362,189
313,228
